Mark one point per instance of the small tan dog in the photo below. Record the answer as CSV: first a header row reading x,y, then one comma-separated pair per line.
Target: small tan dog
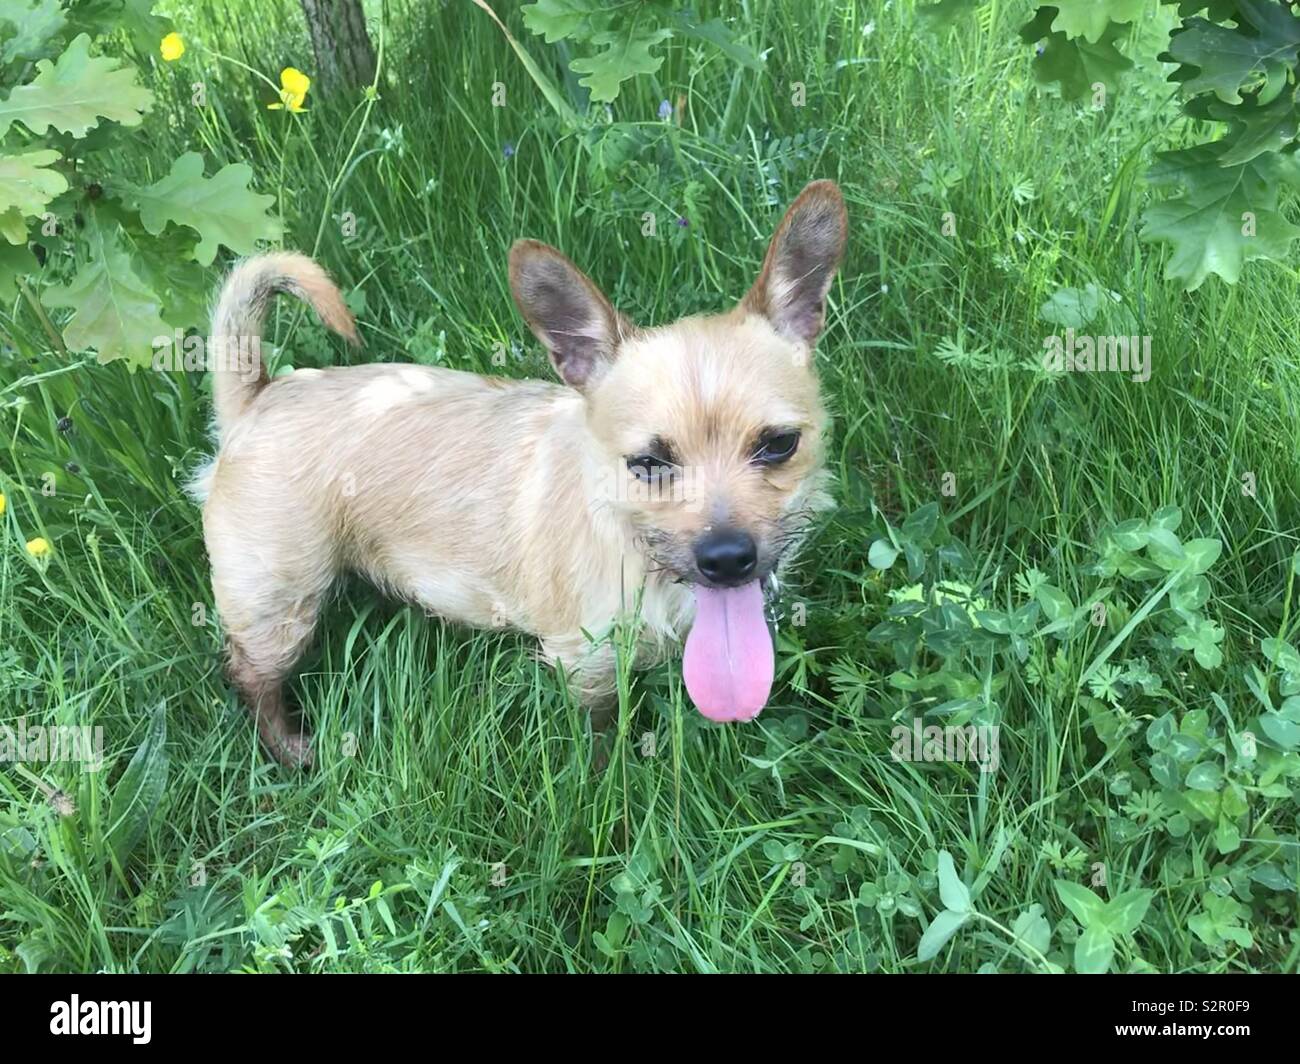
x,y
671,474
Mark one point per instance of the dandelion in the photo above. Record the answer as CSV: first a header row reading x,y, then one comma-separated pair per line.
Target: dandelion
x,y
293,90
172,47
38,547
2,504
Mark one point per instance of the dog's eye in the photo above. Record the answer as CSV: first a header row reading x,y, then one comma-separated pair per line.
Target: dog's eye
x,y
647,467
777,447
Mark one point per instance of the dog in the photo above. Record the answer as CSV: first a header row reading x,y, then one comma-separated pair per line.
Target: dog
x,y
666,479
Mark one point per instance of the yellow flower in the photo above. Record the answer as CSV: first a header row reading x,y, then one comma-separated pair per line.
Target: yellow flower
x,y
172,47
2,504
38,547
293,90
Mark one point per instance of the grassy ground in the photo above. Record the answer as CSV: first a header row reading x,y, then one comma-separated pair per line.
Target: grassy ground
x,y
453,822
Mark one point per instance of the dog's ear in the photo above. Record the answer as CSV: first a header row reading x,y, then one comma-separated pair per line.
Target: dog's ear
x,y
566,311
801,262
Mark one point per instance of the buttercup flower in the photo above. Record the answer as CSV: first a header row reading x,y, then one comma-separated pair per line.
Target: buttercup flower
x,y
38,547
293,90
172,47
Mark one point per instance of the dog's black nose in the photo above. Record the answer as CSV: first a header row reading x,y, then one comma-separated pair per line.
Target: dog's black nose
x,y
727,557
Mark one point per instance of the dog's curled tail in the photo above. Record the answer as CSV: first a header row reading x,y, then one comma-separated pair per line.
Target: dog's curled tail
x,y
238,370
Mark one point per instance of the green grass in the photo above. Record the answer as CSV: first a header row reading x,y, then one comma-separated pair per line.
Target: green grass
x,y
452,768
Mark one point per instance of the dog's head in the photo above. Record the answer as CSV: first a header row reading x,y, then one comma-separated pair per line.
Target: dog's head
x,y
709,430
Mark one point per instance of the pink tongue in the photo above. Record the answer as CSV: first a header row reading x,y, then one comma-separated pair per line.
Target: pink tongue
x,y
728,663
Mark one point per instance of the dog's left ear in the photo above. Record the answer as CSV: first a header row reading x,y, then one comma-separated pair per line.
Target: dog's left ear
x,y
566,311
801,262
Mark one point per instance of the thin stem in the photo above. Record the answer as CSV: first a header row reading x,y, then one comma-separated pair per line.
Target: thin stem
x,y
54,336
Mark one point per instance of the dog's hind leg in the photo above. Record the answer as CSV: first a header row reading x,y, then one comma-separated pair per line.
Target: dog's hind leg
x,y
261,656
269,591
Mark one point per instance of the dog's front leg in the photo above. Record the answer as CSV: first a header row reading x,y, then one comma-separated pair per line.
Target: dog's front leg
x,y
592,677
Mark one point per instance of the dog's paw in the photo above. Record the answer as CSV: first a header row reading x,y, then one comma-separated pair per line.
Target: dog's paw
x,y
294,751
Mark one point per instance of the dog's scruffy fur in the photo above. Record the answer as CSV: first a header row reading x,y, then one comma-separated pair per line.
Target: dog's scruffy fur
x,y
493,501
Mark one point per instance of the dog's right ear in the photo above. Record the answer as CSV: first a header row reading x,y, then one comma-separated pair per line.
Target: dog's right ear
x,y
566,311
